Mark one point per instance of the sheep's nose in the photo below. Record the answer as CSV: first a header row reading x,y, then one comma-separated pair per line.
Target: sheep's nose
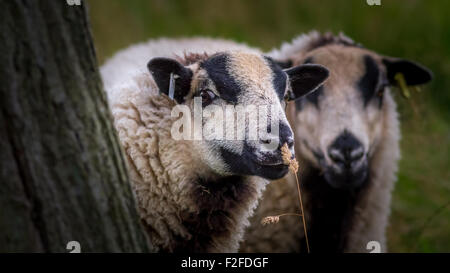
x,y
346,149
289,141
286,136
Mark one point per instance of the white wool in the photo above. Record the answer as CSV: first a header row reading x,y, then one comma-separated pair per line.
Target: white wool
x,y
298,44
134,59
162,169
301,43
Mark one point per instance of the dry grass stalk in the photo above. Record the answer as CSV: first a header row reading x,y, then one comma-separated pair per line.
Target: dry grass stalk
x,y
293,167
288,160
270,220
275,219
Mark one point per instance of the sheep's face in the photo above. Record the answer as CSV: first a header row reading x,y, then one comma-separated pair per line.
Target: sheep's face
x,y
340,125
236,102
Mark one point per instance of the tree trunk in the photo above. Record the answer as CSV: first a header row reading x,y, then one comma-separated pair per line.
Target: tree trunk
x,y
63,177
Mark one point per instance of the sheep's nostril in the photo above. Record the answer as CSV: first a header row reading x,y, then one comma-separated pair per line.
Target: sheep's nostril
x,y
345,157
286,136
346,149
290,142
265,141
336,155
357,154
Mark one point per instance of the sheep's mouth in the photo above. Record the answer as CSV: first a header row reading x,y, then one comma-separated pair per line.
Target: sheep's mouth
x,y
347,178
272,171
249,163
274,165
269,163
270,159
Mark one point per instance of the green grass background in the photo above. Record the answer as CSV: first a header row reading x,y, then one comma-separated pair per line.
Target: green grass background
x,y
414,29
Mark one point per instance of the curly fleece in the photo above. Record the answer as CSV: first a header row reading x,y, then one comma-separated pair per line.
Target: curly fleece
x,y
182,203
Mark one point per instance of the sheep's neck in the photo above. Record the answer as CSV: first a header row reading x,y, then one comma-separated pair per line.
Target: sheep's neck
x,y
221,203
330,212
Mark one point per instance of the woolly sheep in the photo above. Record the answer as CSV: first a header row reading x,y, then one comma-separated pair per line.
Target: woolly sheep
x,y
197,195
347,142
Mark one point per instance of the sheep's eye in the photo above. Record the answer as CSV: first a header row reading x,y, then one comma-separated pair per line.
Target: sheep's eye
x,y
207,97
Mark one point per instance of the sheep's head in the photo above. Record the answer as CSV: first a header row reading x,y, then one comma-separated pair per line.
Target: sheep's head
x,y
340,125
233,106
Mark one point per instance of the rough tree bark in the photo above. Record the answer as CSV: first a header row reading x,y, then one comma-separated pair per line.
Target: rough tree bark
x,y
62,174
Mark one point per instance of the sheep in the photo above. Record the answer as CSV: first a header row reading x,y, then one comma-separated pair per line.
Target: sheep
x,y
197,195
347,142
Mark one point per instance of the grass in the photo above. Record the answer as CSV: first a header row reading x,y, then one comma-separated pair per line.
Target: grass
x,y
416,29
420,220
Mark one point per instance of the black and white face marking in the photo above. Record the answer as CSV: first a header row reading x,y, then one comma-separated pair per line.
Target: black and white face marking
x,y
341,125
373,82
223,70
243,80
279,79
225,84
371,85
240,79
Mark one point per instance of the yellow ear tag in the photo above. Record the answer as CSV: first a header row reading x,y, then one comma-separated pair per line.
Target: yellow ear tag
x,y
401,82
416,88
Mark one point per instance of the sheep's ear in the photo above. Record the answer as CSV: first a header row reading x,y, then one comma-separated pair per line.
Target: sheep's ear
x,y
413,73
165,71
305,79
